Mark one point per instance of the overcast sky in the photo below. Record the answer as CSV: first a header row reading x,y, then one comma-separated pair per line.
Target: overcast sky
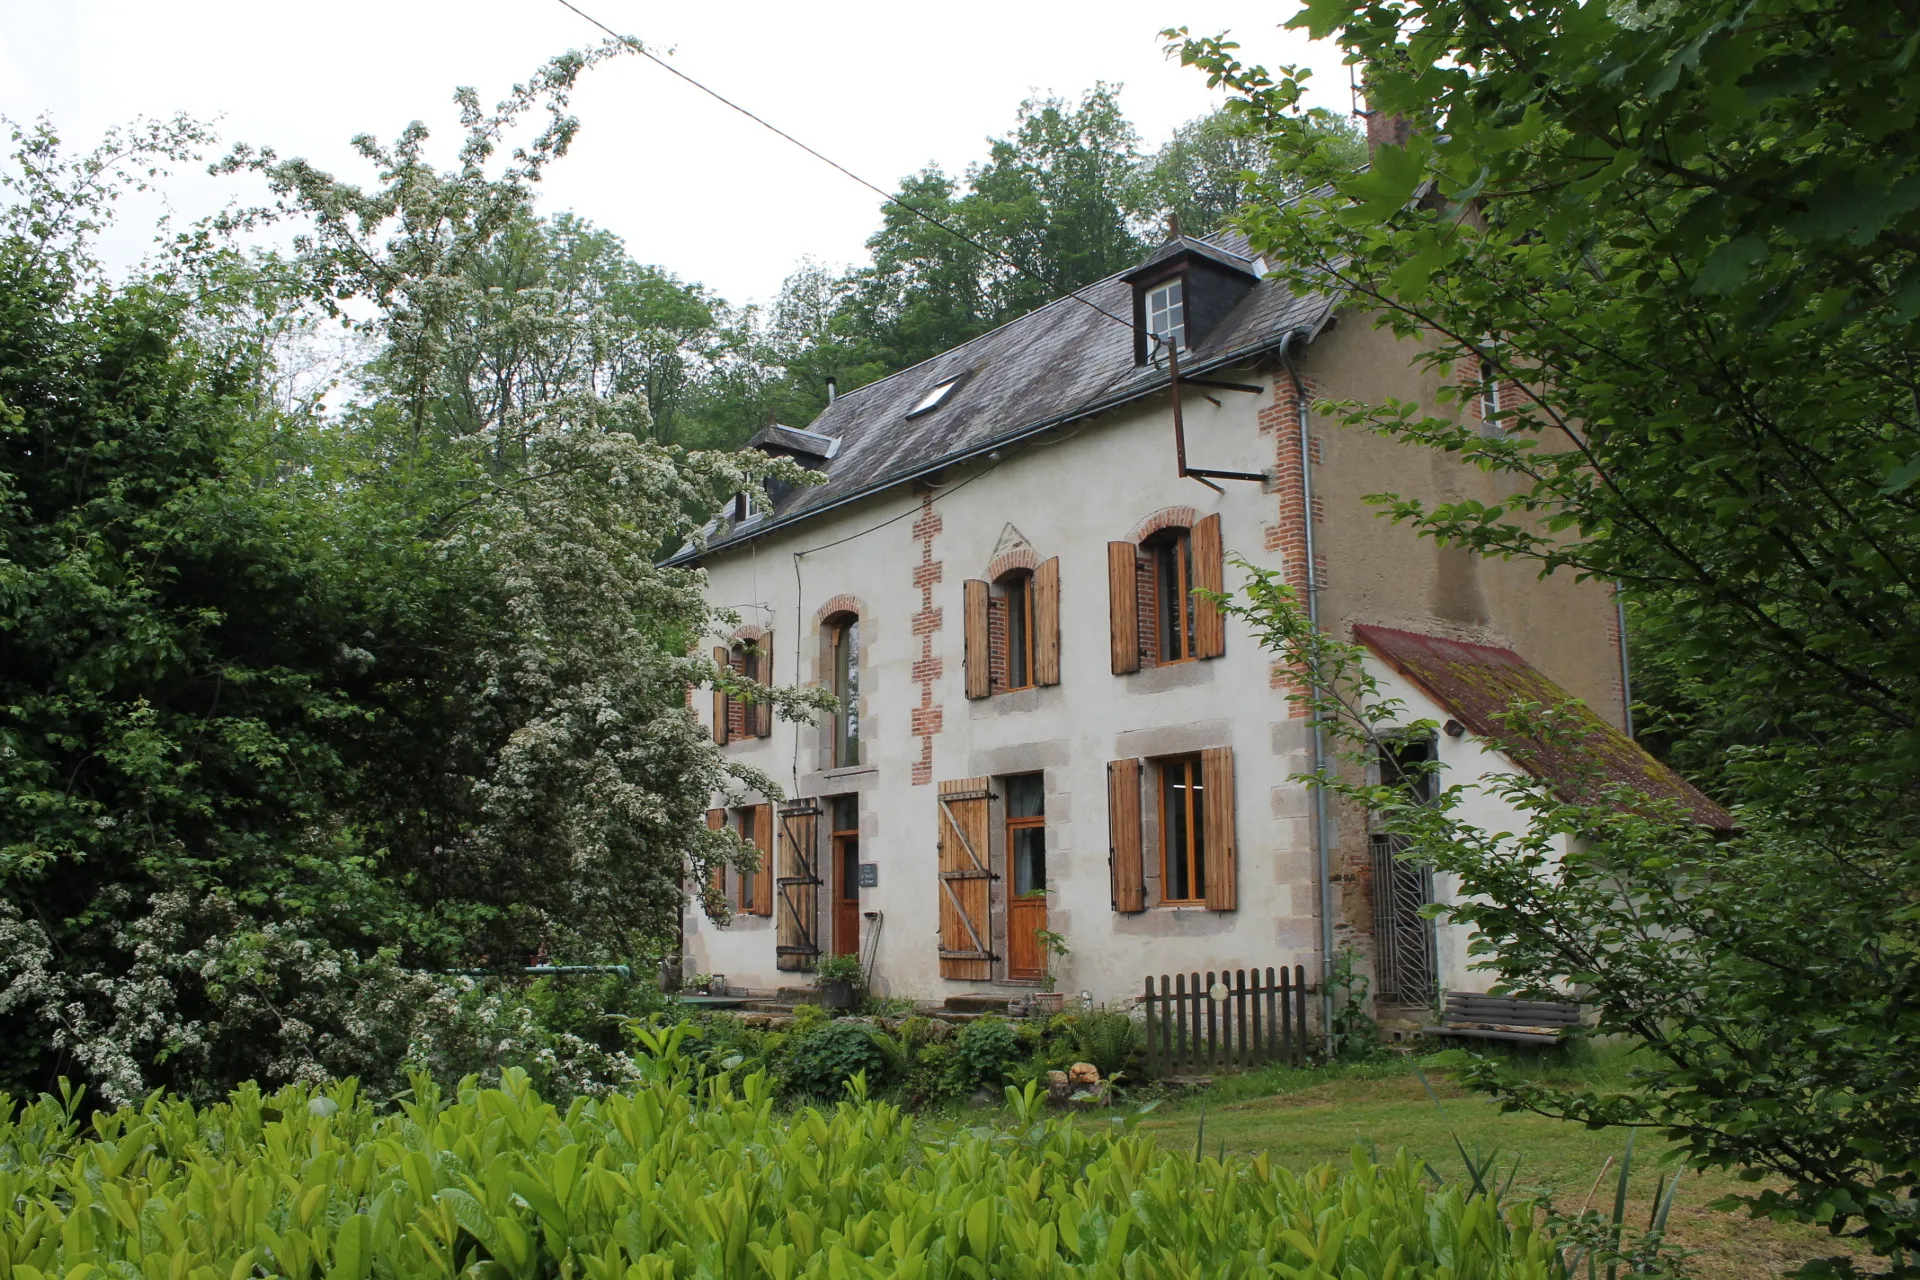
x,y
884,88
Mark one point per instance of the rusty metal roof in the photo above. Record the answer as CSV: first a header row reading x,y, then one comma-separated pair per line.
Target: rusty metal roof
x,y
1478,683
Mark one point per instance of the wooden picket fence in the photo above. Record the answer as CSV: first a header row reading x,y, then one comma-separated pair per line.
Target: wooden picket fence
x,y
1238,1018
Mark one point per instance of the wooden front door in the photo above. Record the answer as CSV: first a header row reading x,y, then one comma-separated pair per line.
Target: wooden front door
x,y
1027,881
846,876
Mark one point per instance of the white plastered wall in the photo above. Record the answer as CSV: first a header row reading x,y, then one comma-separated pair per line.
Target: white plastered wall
x,y
1464,761
1068,494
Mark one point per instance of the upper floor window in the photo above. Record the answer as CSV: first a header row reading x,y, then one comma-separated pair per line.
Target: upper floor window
x,y
1012,629
1019,605
1167,312
843,638
1170,553
735,718
1156,617
1489,390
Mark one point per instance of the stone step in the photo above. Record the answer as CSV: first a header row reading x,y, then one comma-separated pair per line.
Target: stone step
x,y
977,1002
798,995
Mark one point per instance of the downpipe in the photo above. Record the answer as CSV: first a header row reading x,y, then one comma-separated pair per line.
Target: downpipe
x,y
1322,824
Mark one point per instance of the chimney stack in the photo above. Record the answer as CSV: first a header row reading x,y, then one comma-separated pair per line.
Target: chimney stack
x,y
1384,130
833,389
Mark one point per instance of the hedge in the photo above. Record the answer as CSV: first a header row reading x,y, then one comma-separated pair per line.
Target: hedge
x,y
692,1176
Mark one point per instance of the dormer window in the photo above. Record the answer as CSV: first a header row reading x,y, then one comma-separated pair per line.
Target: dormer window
x,y
1167,313
935,397
1182,294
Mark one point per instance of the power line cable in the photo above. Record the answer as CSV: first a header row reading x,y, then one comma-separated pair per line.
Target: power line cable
x,y
898,203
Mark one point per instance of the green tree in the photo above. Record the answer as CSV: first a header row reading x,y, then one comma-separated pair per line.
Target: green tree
x,y
1680,241
1199,175
300,707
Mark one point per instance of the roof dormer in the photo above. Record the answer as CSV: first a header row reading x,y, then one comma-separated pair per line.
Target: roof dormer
x,y
1182,292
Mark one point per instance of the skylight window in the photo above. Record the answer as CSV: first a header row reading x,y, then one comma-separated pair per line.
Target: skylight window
x,y
935,397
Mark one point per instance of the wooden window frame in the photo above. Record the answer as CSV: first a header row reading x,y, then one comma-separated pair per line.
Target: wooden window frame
x,y
1017,589
845,683
1181,542
1173,333
755,896
1189,768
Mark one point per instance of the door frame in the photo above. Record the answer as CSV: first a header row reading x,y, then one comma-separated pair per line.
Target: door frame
x,y
1013,905
837,840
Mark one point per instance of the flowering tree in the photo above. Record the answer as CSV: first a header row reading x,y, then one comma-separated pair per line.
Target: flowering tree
x,y
301,708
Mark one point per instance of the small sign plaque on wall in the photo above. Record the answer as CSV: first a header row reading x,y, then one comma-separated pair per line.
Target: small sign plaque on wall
x,y
869,875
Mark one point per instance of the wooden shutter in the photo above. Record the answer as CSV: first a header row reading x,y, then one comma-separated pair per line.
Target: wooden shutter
x,y
1216,776
723,660
798,888
1209,574
717,821
1046,622
763,709
1124,856
979,658
966,931
762,904
1123,606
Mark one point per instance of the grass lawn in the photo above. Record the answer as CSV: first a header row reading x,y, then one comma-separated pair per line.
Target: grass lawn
x,y
1306,1117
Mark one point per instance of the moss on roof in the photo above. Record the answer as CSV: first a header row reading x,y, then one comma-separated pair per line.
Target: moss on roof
x,y
1500,697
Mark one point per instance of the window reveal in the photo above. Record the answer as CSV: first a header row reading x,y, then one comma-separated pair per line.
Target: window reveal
x,y
1171,554
846,688
1183,851
1019,604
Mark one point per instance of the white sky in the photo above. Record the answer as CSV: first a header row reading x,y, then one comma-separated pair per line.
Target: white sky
x,y
882,88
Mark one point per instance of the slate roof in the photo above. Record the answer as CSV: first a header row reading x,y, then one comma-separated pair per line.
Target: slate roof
x,y
1477,682
1061,362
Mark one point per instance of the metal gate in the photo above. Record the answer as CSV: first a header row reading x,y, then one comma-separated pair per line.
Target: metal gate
x,y
1405,966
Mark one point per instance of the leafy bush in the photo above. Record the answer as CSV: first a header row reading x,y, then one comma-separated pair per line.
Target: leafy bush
x,y
985,1054
1105,1037
694,1177
818,1062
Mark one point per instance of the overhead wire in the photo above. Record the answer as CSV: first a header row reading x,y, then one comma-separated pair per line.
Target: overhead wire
x,y
1002,256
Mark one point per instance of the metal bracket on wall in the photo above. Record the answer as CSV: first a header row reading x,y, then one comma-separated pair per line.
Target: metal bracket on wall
x,y
1205,475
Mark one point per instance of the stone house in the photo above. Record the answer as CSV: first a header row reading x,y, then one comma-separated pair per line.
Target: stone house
x,y
1042,729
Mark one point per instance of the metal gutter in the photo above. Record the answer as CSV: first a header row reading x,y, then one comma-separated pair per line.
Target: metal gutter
x,y
1322,835
1088,410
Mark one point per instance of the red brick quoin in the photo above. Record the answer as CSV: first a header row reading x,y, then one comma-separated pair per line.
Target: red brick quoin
x,y
1288,535
925,720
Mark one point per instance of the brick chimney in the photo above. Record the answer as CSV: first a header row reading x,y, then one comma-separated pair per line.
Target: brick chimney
x,y
1384,130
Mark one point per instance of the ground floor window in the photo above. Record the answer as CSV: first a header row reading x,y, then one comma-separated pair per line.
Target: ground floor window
x,y
1183,852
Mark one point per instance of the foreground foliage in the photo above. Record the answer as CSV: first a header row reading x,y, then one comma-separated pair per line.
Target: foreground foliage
x,y
696,1178
1665,259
